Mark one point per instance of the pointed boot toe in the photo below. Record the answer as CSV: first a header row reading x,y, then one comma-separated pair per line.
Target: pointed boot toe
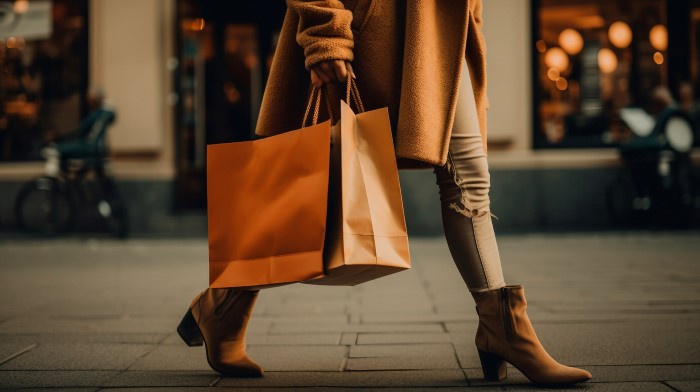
x,y
580,375
244,367
557,374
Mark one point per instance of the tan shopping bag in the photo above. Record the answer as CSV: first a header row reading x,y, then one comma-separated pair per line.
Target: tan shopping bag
x,y
267,204
366,234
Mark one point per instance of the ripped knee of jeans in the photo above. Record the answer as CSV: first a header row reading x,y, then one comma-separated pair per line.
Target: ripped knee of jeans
x,y
472,213
465,209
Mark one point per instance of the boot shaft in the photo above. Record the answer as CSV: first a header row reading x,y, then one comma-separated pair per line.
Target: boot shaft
x,y
499,313
225,307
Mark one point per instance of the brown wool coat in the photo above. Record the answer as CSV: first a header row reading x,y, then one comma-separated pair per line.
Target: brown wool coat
x,y
407,55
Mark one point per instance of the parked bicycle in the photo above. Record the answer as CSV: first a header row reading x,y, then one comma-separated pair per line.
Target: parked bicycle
x,y
657,186
76,184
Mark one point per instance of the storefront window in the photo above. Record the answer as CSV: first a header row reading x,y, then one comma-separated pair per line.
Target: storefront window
x,y
43,73
225,49
689,93
592,58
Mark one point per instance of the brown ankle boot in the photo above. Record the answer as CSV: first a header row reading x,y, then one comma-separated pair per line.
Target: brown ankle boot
x,y
506,335
218,318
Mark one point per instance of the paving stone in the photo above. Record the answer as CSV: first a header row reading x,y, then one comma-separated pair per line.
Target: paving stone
x,y
52,389
411,318
627,387
335,307
522,384
402,338
304,389
411,378
60,378
298,358
78,356
127,338
403,363
644,372
118,324
294,340
174,339
305,319
163,378
9,349
685,386
167,389
461,327
467,355
348,339
173,358
619,343
294,328
401,350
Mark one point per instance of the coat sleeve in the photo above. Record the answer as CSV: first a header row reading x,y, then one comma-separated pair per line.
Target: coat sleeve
x,y
324,30
478,14
479,22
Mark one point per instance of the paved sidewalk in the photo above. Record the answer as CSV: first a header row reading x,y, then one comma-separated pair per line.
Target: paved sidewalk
x,y
87,315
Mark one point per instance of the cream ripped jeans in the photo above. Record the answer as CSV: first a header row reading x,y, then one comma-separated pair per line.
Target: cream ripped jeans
x,y
464,197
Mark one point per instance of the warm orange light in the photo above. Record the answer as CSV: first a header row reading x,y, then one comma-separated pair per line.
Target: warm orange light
x,y
556,58
571,41
21,6
562,84
21,43
620,34
607,61
658,58
658,36
194,24
11,43
541,46
553,74
198,24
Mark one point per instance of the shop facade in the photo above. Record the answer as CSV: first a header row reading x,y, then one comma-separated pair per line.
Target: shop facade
x,y
183,73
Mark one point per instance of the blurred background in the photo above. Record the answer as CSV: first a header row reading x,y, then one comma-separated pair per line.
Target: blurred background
x,y
594,121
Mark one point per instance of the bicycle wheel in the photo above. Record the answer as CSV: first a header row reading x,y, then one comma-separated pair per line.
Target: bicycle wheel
x,y
625,206
112,208
44,206
695,201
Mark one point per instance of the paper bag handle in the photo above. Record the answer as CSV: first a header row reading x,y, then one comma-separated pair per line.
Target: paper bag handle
x,y
352,93
317,92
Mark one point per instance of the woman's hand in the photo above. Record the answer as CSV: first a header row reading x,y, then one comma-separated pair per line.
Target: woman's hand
x,y
330,71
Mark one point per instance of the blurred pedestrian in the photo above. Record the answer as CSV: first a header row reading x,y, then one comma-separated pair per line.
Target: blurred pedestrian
x,y
426,62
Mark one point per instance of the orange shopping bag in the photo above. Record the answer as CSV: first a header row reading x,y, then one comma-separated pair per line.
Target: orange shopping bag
x,y
366,234
267,204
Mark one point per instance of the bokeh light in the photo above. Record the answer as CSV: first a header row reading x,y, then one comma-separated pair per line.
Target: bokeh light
x,y
553,74
571,41
556,58
658,58
620,34
21,6
658,36
541,46
607,60
562,84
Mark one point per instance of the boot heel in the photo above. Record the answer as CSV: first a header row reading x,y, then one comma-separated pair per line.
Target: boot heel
x,y
494,367
189,331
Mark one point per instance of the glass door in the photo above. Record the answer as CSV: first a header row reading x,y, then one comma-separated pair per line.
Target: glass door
x,y
223,51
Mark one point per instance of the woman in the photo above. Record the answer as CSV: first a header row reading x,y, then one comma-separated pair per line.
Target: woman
x,y
425,60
